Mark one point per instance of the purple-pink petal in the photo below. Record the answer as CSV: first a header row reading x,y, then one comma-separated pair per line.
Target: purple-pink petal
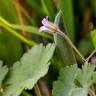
x,y
42,28
46,17
45,21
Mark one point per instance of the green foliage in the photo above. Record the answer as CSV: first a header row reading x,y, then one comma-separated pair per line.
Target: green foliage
x,y
66,83
49,10
31,67
85,46
93,35
84,78
9,51
68,17
21,20
84,75
63,49
3,72
94,77
6,25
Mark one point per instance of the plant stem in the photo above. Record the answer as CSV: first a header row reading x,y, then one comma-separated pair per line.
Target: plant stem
x,y
37,90
44,88
90,56
5,22
6,25
70,43
30,29
91,93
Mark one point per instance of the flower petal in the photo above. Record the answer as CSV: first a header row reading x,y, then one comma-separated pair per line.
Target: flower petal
x,y
42,28
45,21
46,17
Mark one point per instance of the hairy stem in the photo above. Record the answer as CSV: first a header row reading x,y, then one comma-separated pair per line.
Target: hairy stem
x,y
37,90
91,93
90,56
70,43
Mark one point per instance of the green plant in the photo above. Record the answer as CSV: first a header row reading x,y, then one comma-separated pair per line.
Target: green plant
x,y
56,59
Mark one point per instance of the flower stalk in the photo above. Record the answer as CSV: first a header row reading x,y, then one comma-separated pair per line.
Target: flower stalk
x,y
53,29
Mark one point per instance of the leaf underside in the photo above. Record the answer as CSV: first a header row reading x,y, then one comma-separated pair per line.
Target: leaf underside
x,y
32,66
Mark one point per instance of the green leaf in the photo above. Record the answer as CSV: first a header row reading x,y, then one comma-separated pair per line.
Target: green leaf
x,y
79,92
65,83
94,77
84,75
68,17
3,72
32,66
49,10
85,79
93,37
64,52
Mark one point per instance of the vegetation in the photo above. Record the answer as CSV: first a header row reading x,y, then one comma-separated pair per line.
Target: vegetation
x,y
47,48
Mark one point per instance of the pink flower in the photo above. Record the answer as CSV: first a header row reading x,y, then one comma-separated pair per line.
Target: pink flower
x,y
48,26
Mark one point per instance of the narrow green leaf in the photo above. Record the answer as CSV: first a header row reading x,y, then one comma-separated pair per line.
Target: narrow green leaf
x,y
93,37
68,17
7,10
32,66
48,8
64,52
